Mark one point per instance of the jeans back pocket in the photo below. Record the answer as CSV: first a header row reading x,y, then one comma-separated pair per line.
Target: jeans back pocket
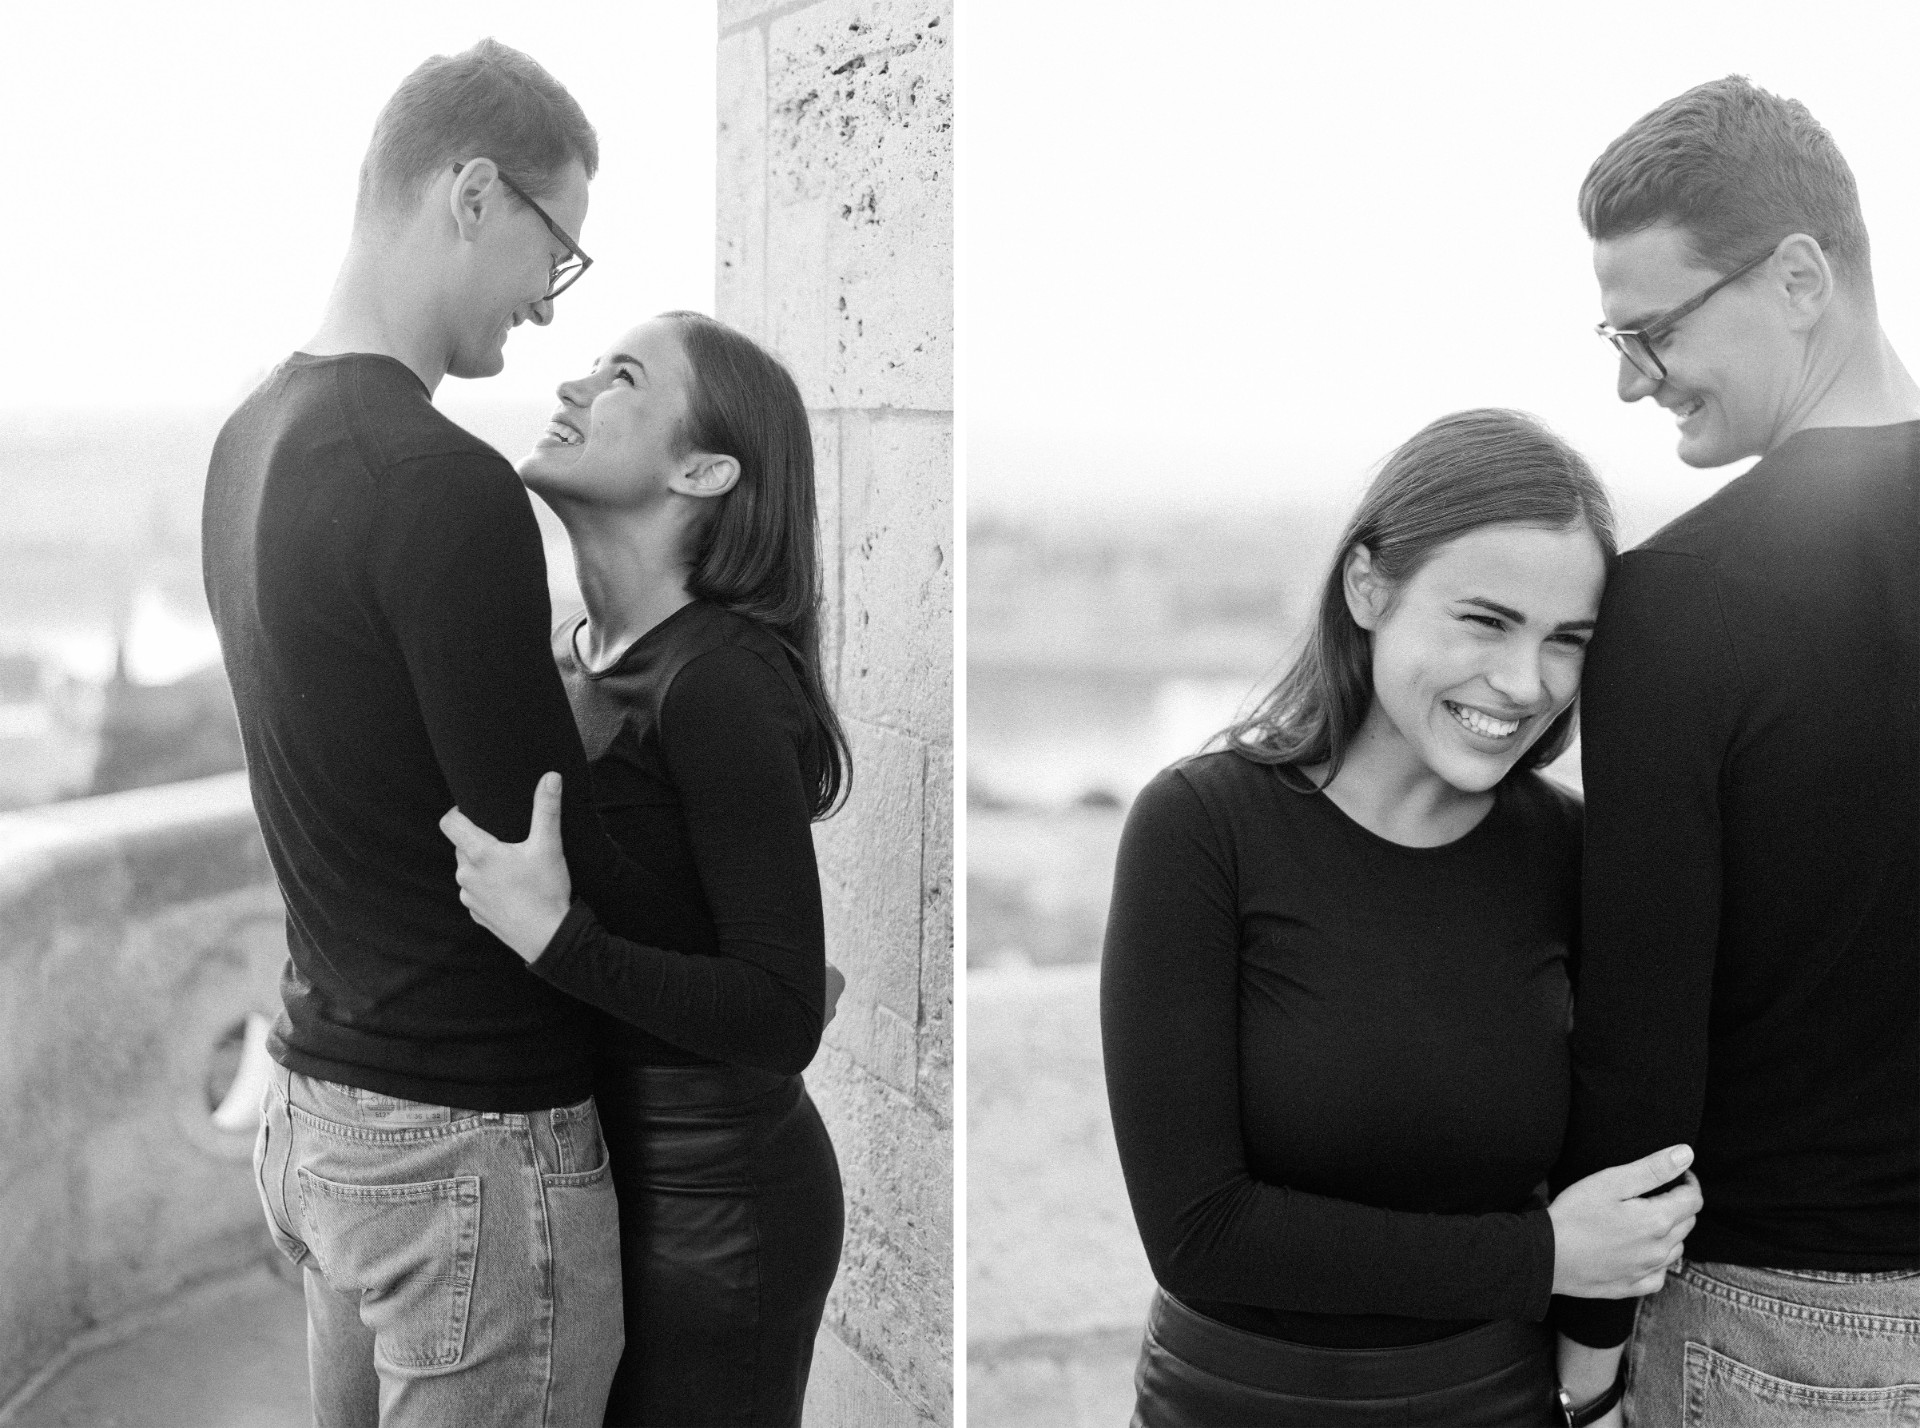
x,y
1722,1392
408,1251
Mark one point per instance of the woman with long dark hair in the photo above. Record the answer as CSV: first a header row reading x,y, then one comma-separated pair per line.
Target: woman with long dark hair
x,y
1335,991
682,468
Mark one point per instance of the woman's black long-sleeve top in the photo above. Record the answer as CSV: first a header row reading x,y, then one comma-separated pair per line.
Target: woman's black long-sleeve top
x,y
702,751
1338,1065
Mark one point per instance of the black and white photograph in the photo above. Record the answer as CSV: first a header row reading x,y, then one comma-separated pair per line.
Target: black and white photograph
x,y
1370,662
476,715
915,713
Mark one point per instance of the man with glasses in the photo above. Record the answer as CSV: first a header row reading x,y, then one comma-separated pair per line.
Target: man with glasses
x,y
1750,964
430,1154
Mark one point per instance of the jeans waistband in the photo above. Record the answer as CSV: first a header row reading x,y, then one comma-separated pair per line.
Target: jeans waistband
x,y
1278,1366
356,1105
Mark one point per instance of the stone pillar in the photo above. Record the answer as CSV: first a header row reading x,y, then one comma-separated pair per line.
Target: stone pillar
x,y
836,250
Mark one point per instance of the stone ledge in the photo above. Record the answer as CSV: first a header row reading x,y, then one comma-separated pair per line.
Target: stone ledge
x,y
138,932
141,835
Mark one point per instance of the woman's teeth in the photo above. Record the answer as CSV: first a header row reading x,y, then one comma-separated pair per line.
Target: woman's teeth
x,y
1484,725
1682,413
565,435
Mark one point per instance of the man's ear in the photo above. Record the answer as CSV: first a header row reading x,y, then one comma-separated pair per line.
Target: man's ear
x,y
706,475
1366,591
1806,278
476,189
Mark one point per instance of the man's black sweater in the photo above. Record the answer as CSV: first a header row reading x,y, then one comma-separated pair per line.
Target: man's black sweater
x,y
1750,977
377,579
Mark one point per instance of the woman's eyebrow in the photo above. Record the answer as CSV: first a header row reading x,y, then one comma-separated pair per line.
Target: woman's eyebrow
x,y
632,361
1504,611
1509,613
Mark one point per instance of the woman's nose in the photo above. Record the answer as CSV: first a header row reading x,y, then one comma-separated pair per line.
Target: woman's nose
x,y
577,393
1518,677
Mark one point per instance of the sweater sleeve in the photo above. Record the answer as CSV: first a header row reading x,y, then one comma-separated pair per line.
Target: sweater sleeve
x,y
729,734
1658,679
459,574
1169,1006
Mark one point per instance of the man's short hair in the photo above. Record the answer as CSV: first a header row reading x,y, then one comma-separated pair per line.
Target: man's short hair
x,y
1737,169
488,101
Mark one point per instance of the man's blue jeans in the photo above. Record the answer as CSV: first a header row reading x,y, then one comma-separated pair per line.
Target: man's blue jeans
x,y
461,1267
1725,1346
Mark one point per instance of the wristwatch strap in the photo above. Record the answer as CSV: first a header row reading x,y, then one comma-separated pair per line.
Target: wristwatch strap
x,y
1571,1417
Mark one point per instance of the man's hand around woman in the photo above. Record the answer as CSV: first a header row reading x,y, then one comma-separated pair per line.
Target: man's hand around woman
x,y
1609,1242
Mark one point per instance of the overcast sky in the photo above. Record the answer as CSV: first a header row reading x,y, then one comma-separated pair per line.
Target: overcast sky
x,y
181,180
1244,258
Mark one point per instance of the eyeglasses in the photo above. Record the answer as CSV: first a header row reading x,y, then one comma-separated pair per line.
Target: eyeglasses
x,y
1636,343
560,276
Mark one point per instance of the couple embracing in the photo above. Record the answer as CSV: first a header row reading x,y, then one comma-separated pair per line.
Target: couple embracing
x,y
554,923
1425,1076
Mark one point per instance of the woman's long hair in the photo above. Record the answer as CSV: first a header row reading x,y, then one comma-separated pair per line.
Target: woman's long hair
x,y
1470,469
757,553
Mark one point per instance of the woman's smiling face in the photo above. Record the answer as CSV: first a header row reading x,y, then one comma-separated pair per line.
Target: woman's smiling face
x,y
618,435
1480,650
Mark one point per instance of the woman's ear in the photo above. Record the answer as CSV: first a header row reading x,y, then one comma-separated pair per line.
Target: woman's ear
x,y
1366,591
706,475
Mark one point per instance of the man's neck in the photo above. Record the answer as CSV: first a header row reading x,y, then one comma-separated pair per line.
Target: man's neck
x,y
378,306
1864,384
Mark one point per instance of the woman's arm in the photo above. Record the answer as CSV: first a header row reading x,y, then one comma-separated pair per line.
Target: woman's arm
x,y
733,760
1170,1016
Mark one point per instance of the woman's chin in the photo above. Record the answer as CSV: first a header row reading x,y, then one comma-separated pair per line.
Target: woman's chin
x,y
540,470
1474,772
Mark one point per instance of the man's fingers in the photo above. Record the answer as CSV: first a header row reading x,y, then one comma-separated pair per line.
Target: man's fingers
x,y
546,808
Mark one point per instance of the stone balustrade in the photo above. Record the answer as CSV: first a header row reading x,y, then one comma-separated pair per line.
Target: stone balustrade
x,y
137,932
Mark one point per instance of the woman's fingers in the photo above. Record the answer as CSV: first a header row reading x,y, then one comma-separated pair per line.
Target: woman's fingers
x,y
463,832
545,824
1650,1172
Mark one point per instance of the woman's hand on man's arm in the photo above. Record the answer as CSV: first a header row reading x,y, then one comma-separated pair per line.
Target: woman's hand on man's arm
x,y
520,892
1613,1238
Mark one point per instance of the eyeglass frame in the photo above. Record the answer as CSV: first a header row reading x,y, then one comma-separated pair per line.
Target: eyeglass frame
x,y
555,283
1623,338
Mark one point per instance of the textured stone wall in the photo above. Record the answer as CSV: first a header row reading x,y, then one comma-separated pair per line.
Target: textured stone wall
x,y
136,931
836,250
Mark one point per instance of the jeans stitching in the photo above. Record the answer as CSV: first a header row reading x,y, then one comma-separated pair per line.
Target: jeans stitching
x,y
1704,1364
1703,1283
414,1135
525,1140
459,1192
